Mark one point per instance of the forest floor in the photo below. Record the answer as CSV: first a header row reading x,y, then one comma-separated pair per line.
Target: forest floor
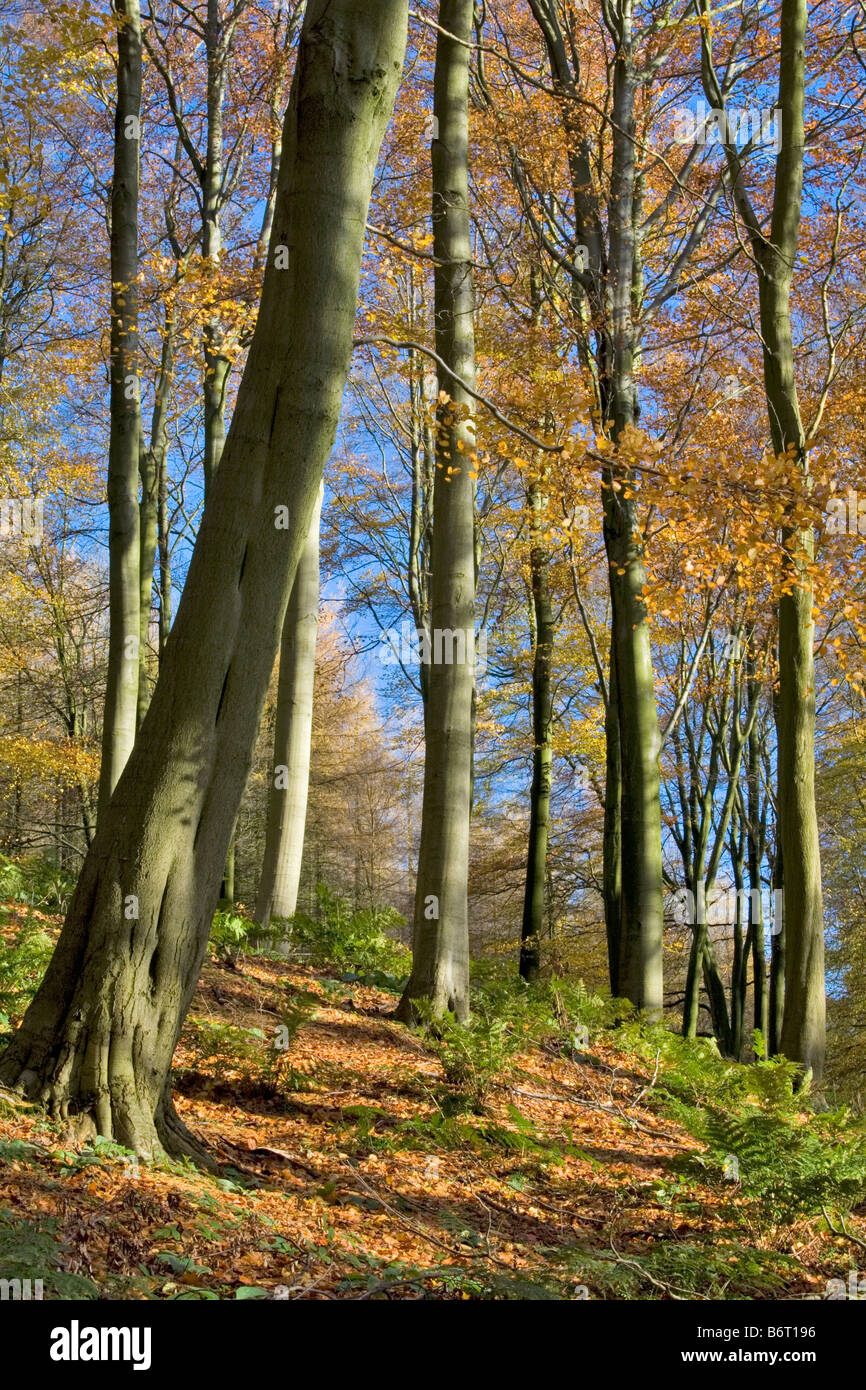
x,y
344,1176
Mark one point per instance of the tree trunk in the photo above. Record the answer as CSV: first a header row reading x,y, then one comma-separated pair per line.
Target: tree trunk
x,y
612,845
99,1036
542,745
803,1037
163,542
639,885
607,297
227,887
218,45
692,1001
714,985
152,468
755,850
290,781
121,694
642,905
440,964
777,959
742,941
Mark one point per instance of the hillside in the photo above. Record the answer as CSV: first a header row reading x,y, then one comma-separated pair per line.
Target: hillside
x,y
350,1167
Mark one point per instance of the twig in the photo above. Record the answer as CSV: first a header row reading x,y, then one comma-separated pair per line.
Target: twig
x,y
845,1233
678,1294
608,1110
642,1093
409,1225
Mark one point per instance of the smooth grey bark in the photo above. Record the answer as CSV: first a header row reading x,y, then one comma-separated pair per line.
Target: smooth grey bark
x,y
641,934
755,811
153,463
423,463
290,774
219,38
440,961
612,840
163,547
607,302
742,944
776,1004
121,693
98,1039
803,1037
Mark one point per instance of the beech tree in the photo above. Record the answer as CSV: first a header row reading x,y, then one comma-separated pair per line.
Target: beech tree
x,y
440,963
606,274
290,776
774,251
121,693
544,627
97,1041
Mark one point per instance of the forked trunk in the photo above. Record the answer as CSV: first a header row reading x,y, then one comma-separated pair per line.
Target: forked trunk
x,y
98,1039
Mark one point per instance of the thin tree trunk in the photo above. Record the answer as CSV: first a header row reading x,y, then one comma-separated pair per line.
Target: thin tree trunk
x,y
542,741
163,543
121,695
152,468
692,1001
755,851
227,887
290,779
218,44
98,1039
440,964
715,988
739,965
777,958
612,847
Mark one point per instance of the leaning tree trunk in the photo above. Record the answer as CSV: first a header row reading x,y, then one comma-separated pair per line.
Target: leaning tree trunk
x,y
98,1039
287,799
121,693
542,746
440,963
